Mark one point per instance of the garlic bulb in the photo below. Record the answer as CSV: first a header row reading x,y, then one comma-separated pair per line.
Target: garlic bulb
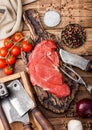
x,y
75,125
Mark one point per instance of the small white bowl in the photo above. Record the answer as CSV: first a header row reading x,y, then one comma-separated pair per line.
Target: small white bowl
x,y
51,18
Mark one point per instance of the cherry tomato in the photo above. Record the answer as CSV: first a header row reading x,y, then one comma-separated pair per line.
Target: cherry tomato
x,y
2,63
10,60
8,42
15,51
8,70
18,36
26,45
3,51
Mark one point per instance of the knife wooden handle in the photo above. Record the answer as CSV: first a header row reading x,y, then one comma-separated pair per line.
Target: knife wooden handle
x,y
89,67
27,126
4,119
45,124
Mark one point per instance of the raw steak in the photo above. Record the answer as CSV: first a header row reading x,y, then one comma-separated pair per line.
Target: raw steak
x,y
43,67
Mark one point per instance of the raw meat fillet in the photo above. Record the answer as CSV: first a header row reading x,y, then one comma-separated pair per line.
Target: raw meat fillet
x,y
43,68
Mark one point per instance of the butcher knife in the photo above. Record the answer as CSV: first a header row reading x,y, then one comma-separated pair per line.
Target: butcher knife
x,y
13,116
21,102
75,60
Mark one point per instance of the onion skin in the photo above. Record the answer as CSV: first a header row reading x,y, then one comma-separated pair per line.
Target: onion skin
x,y
84,108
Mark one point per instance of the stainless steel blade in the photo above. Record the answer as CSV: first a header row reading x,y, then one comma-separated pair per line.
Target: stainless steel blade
x,y
24,119
9,110
11,114
19,98
73,59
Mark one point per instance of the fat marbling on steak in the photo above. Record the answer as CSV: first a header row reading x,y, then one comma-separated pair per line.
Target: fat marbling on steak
x,y
44,69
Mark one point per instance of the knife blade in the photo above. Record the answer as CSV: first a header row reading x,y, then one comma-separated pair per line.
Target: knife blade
x,y
22,102
19,98
75,60
13,116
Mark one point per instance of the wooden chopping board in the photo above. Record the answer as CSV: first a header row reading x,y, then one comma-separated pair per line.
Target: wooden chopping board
x,y
38,34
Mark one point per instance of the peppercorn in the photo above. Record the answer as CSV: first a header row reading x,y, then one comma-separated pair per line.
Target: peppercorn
x,y
73,35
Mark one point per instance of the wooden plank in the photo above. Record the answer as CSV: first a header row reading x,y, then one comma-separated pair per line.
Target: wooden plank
x,y
27,84
72,12
43,5
62,122
58,31
76,9
9,78
19,66
85,22
85,49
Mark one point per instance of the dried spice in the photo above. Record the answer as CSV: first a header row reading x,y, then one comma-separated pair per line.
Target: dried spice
x,y
73,35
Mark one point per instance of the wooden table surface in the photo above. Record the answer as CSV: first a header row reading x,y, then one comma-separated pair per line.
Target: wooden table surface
x,y
71,11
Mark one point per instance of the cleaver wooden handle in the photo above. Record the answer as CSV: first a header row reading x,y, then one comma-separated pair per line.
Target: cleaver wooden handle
x,y
45,124
89,66
27,126
4,119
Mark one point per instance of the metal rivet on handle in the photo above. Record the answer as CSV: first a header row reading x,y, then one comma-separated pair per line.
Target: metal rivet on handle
x,y
0,86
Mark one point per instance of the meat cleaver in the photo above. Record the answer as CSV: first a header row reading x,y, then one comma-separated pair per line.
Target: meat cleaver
x,y
13,116
22,102
75,60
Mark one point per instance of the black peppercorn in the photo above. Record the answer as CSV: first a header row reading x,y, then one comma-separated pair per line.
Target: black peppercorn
x,y
73,35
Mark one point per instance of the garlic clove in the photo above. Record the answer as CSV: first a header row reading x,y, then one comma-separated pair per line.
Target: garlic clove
x,y
75,125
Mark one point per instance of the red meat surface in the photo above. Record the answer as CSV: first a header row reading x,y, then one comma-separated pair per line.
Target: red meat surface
x,y
43,68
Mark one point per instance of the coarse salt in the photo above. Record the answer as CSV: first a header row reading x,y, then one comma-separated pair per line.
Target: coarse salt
x,y
51,18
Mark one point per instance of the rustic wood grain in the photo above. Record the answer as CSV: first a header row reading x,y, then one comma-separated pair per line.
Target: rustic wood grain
x,y
76,11
57,32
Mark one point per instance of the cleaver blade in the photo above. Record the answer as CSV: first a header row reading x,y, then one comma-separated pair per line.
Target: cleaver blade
x,y
75,60
19,98
13,116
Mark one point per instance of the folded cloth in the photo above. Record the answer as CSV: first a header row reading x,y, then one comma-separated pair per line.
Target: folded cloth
x,y
11,18
27,1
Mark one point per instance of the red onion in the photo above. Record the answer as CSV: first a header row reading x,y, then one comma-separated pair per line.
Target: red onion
x,y
84,108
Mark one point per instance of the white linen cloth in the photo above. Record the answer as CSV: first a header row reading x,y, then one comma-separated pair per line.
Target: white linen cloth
x,y
11,18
